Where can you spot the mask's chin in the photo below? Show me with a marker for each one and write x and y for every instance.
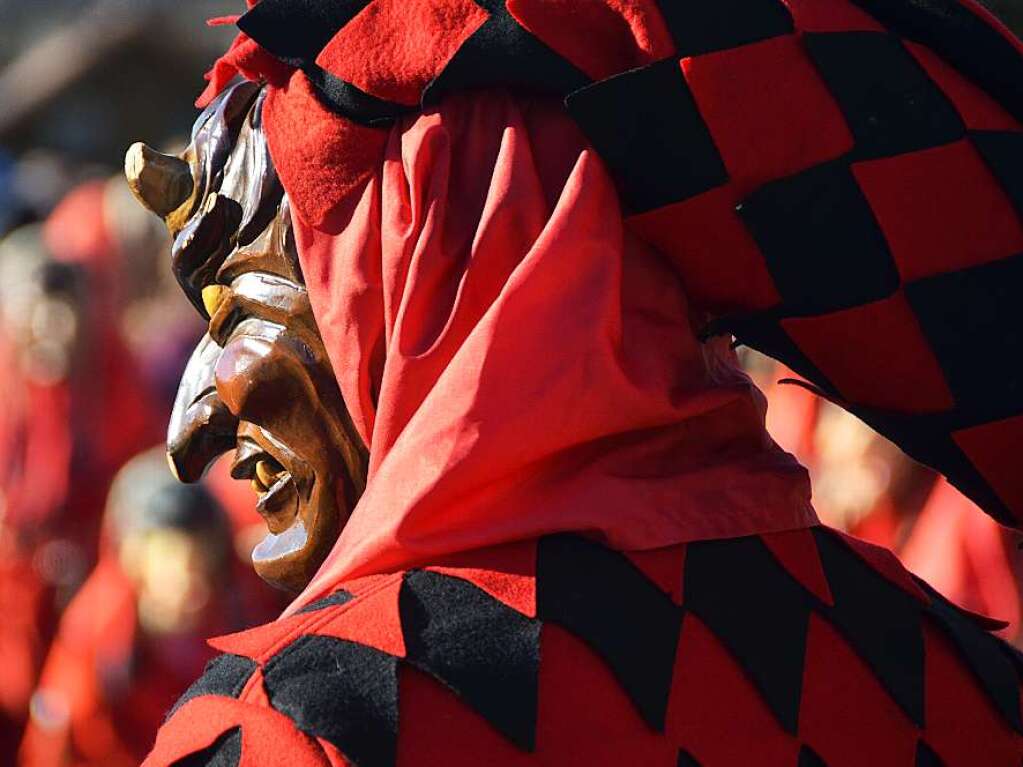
(289, 543)
(285, 559)
(288, 558)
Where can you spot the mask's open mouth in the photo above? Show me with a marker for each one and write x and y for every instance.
(278, 499)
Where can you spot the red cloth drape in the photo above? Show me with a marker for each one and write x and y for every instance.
(518, 362)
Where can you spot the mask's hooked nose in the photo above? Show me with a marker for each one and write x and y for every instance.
(201, 427)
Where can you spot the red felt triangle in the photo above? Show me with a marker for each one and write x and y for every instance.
(507, 573)
(254, 691)
(266, 734)
(372, 620)
(664, 567)
(845, 714)
(796, 551)
(262, 642)
(334, 757)
(715, 713)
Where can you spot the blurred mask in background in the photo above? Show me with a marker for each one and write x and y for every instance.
(173, 542)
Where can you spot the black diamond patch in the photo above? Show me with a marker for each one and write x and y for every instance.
(925, 757)
(1003, 153)
(889, 102)
(647, 128)
(808, 758)
(959, 35)
(486, 652)
(821, 241)
(973, 321)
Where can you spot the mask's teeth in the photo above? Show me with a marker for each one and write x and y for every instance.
(268, 472)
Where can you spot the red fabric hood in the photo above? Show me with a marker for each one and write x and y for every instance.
(519, 363)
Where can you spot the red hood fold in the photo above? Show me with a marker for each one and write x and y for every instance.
(519, 363)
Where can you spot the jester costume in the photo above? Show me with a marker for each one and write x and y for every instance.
(528, 231)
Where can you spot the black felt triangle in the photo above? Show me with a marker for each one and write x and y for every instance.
(1016, 657)
(984, 656)
(890, 103)
(296, 31)
(967, 316)
(685, 759)
(224, 675)
(1003, 153)
(502, 53)
(925, 757)
(483, 650)
(603, 599)
(881, 622)
(341, 691)
(757, 611)
(699, 28)
(821, 210)
(339, 597)
(808, 758)
(962, 38)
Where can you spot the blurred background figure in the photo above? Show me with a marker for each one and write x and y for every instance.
(134, 635)
(92, 344)
(865, 485)
(92, 338)
(77, 406)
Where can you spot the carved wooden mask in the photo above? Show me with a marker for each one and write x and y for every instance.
(259, 382)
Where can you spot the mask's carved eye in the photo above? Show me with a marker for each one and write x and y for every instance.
(212, 297)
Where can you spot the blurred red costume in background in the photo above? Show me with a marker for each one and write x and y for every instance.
(134, 635)
(577, 543)
(968, 557)
(62, 438)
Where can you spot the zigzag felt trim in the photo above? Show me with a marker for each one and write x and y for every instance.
(333, 680)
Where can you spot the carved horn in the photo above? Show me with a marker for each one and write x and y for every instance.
(161, 182)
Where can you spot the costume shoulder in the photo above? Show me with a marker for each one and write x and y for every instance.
(564, 652)
(211, 726)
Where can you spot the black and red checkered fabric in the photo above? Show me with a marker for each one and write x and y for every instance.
(783, 650)
(839, 182)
